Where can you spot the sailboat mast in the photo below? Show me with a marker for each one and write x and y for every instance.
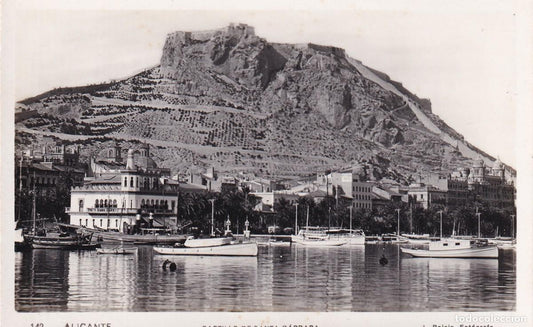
(307, 219)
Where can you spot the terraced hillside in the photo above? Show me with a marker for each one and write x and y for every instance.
(230, 99)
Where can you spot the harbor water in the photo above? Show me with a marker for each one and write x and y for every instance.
(281, 278)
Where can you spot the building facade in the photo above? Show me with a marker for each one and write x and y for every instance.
(490, 185)
(424, 196)
(137, 195)
(349, 185)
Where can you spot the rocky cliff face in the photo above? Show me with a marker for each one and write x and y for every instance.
(229, 98)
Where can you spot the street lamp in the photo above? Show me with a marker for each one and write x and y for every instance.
(398, 211)
(296, 220)
(478, 214)
(351, 208)
(440, 212)
(212, 216)
(246, 224)
(228, 224)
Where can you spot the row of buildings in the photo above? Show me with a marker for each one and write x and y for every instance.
(118, 192)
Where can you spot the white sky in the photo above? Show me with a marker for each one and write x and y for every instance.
(462, 59)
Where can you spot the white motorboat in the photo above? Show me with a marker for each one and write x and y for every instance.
(310, 234)
(453, 248)
(350, 236)
(240, 249)
(192, 242)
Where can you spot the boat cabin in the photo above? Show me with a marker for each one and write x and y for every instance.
(449, 244)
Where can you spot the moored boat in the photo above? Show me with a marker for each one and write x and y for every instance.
(310, 234)
(192, 242)
(146, 236)
(61, 241)
(350, 236)
(321, 243)
(21, 243)
(240, 249)
(453, 248)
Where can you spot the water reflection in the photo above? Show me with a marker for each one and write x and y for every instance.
(281, 279)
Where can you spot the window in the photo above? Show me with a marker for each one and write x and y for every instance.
(86, 222)
(94, 223)
(125, 181)
(445, 244)
(80, 222)
(116, 223)
(101, 222)
(457, 243)
(131, 181)
(80, 205)
(114, 203)
(108, 223)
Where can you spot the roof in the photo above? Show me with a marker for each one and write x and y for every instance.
(40, 166)
(192, 187)
(318, 193)
(106, 179)
(376, 196)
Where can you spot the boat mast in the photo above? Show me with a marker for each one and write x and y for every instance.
(307, 219)
(440, 212)
(296, 220)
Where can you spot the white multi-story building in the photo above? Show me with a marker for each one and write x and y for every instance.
(349, 185)
(124, 197)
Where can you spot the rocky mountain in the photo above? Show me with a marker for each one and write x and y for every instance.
(231, 99)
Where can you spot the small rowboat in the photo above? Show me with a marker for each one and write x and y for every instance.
(118, 250)
(241, 249)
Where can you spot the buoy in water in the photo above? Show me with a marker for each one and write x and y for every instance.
(172, 266)
(165, 263)
(383, 261)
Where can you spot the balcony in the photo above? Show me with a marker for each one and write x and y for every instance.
(105, 211)
(121, 211)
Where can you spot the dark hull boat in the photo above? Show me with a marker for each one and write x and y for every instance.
(62, 242)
